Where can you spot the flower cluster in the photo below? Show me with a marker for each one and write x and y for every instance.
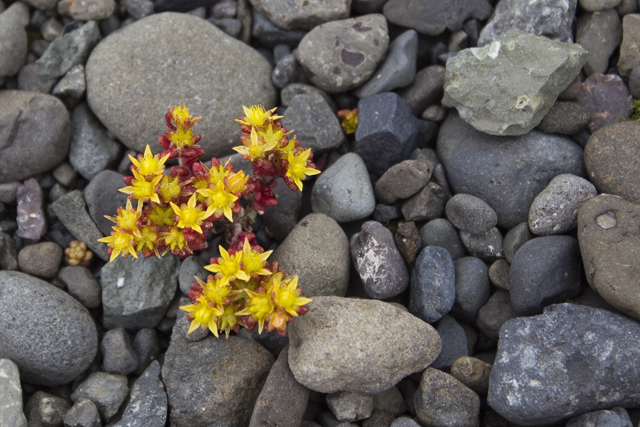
(349, 120)
(245, 290)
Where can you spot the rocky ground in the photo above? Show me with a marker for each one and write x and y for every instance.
(473, 250)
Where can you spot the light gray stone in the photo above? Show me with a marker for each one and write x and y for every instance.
(13, 38)
(600, 33)
(350, 406)
(86, 10)
(11, 395)
(73, 84)
(303, 16)
(107, 391)
(147, 405)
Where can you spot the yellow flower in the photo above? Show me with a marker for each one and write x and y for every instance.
(119, 241)
(228, 320)
(170, 188)
(162, 216)
(127, 218)
(215, 290)
(147, 240)
(220, 200)
(259, 306)
(256, 115)
(237, 182)
(203, 315)
(298, 167)
(180, 114)
(142, 189)
(271, 134)
(256, 147)
(287, 294)
(190, 215)
(228, 267)
(174, 239)
(149, 164)
(253, 262)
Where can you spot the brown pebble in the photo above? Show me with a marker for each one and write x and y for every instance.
(41, 259)
(499, 274)
(472, 372)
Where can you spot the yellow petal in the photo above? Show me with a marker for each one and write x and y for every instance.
(193, 327)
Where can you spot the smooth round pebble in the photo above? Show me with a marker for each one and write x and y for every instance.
(118, 356)
(433, 284)
(402, 181)
(472, 287)
(440, 232)
(471, 214)
(41, 259)
(515, 238)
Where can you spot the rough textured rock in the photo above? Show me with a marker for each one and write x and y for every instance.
(269, 35)
(495, 313)
(612, 161)
(86, 10)
(615, 417)
(81, 285)
(607, 98)
(427, 89)
(629, 51)
(349, 406)
(408, 241)
(73, 84)
(432, 17)
(83, 413)
(349, 353)
(107, 391)
(55, 349)
(471, 214)
(45, 409)
(565, 118)
(487, 246)
(560, 364)
(507, 172)
(472, 372)
(30, 217)
(599, 33)
(609, 243)
(551, 19)
(433, 286)
(341, 55)
(138, 71)
(147, 406)
(11, 413)
(13, 39)
(36, 143)
(103, 198)
(530, 72)
(118, 356)
(403, 180)
(303, 16)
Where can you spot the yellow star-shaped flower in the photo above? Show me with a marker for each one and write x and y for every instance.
(190, 215)
(298, 169)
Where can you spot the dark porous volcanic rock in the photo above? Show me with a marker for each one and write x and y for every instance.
(214, 381)
(607, 98)
(612, 157)
(471, 214)
(567, 361)
(486, 246)
(378, 262)
(387, 131)
(565, 118)
(433, 284)
(403, 180)
(34, 134)
(56, 345)
(506, 172)
(610, 246)
(338, 345)
(545, 270)
(138, 71)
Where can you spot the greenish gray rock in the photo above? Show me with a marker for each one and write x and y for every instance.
(338, 345)
(136, 74)
(306, 15)
(506, 87)
(10, 395)
(137, 292)
(47, 333)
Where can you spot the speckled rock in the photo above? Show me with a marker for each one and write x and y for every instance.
(433, 287)
(565, 118)
(403, 180)
(86, 10)
(223, 75)
(32, 224)
(103, 198)
(148, 404)
(57, 348)
(349, 353)
(46, 409)
(107, 391)
(341, 55)
(471, 214)
(317, 250)
(614, 417)
(607, 98)
(11, 413)
(73, 85)
(81, 285)
(294, 89)
(487, 246)
(83, 413)
(408, 241)
(303, 16)
(495, 313)
(629, 53)
(13, 38)
(41, 260)
(429, 203)
(472, 372)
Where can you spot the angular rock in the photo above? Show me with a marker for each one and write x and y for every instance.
(433, 286)
(629, 51)
(551, 19)
(87, 10)
(189, 268)
(103, 198)
(73, 84)
(38, 141)
(607, 98)
(147, 406)
(344, 192)
(559, 364)
(600, 33)
(507, 172)
(565, 118)
(495, 313)
(137, 292)
(403, 180)
(68, 50)
(45, 409)
(341, 55)
(349, 406)
(428, 204)
(147, 347)
(303, 16)
(29, 81)
(349, 353)
(471, 214)
(378, 262)
(83, 413)
(285, 71)
(609, 242)
(8, 253)
(408, 242)
(81, 285)
(118, 356)
(472, 372)
(41, 260)
(224, 74)
(387, 131)
(269, 35)
(13, 39)
(517, 98)
(11, 413)
(515, 238)
(30, 212)
(454, 342)
(555, 209)
(472, 288)
(427, 89)
(107, 391)
(53, 350)
(440, 232)
(487, 246)
(283, 217)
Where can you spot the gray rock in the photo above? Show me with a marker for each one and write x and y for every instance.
(495, 313)
(8, 253)
(431, 17)
(634, 82)
(55, 349)
(73, 84)
(190, 267)
(607, 98)
(103, 198)
(611, 159)
(41, 260)
(433, 284)
(428, 204)
(72, 212)
(341, 55)
(285, 71)
(68, 50)
(30, 212)
(315, 124)
(472, 372)
(225, 376)
(51, 29)
(471, 214)
(487, 246)
(225, 9)
(281, 218)
(626, 7)
(137, 292)
(515, 238)
(344, 192)
(181, 5)
(378, 262)
(299, 16)
(598, 5)
(107, 391)
(403, 180)
(454, 342)
(499, 105)
(292, 90)
(81, 285)
(398, 68)
(147, 405)
(45, 409)
(555, 209)
(224, 75)
(440, 232)
(551, 19)
(384, 213)
(348, 353)
(269, 35)
(615, 417)
(349, 406)
(11, 395)
(600, 33)
(87, 10)
(427, 89)
(35, 143)
(9, 192)
(29, 81)
(118, 356)
(13, 39)
(138, 9)
(565, 118)
(65, 174)
(609, 242)
(562, 361)
(317, 250)
(442, 400)
(230, 26)
(42, 4)
(390, 401)
(506, 175)
(629, 55)
(147, 347)
(499, 274)
(83, 413)
(472, 288)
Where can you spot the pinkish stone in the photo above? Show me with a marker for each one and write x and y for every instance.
(607, 98)
(30, 219)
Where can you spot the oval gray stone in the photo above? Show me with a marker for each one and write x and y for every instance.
(403, 180)
(303, 15)
(433, 284)
(51, 337)
(471, 214)
(13, 39)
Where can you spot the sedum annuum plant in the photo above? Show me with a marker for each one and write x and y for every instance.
(177, 208)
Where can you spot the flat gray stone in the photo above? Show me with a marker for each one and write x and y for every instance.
(303, 16)
(600, 33)
(147, 405)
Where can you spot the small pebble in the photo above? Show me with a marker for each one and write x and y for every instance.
(41, 259)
